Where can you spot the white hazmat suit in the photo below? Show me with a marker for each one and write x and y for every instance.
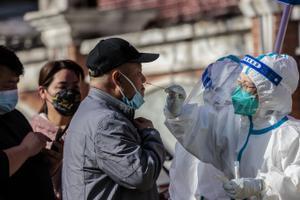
(265, 144)
(190, 178)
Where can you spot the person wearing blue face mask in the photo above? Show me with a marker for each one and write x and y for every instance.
(137, 100)
(108, 154)
(24, 173)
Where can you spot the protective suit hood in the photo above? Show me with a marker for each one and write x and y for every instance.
(217, 83)
(274, 100)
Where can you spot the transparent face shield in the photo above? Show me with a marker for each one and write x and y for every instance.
(216, 84)
(196, 94)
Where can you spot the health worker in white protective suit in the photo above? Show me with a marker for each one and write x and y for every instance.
(260, 135)
(190, 178)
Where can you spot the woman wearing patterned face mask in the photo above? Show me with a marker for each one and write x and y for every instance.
(59, 88)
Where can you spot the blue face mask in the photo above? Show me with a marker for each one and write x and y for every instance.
(137, 100)
(8, 100)
(244, 103)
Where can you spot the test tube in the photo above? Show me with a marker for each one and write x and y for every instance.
(236, 169)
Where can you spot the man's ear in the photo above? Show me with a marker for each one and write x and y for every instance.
(116, 78)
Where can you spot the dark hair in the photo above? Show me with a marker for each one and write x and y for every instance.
(51, 68)
(10, 60)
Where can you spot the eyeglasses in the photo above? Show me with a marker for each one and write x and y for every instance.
(247, 86)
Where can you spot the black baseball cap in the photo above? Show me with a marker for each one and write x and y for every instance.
(113, 52)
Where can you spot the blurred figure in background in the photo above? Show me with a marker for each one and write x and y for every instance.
(59, 88)
(23, 171)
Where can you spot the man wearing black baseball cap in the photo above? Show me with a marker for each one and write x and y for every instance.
(109, 154)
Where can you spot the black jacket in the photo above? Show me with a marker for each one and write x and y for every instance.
(32, 180)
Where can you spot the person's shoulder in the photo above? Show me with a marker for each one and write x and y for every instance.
(98, 116)
(293, 122)
(110, 115)
(16, 114)
(292, 128)
(16, 120)
(288, 136)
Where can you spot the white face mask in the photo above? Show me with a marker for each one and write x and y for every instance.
(8, 100)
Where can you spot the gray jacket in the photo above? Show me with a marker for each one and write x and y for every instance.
(106, 157)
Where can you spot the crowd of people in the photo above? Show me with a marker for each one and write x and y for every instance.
(235, 138)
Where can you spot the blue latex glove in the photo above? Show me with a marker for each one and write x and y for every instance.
(243, 187)
(175, 98)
